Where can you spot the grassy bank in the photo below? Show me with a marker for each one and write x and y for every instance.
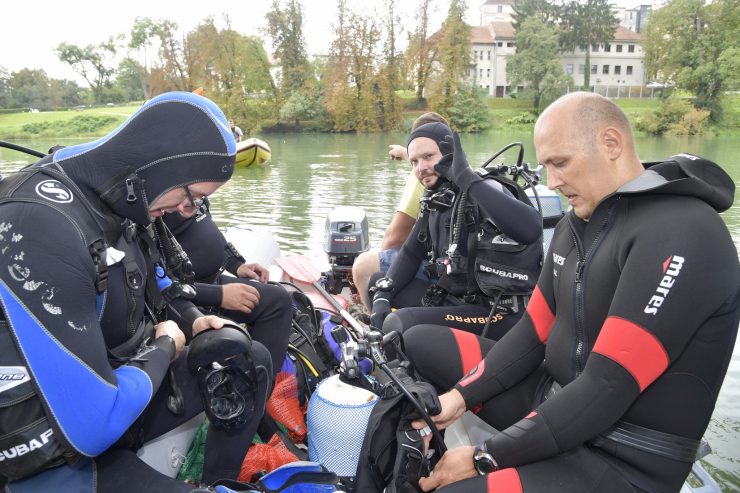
(94, 122)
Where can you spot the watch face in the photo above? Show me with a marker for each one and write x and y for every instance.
(484, 462)
(384, 283)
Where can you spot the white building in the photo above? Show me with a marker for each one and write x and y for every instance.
(614, 66)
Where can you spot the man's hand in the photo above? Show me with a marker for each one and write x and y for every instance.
(454, 166)
(398, 153)
(455, 465)
(452, 405)
(239, 296)
(208, 322)
(170, 328)
(253, 271)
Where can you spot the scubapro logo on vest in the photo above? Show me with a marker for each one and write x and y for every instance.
(54, 191)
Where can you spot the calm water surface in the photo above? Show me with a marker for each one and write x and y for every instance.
(311, 174)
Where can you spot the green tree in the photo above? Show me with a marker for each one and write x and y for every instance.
(470, 112)
(584, 24)
(285, 28)
(547, 11)
(29, 89)
(421, 51)
(128, 81)
(537, 61)
(4, 87)
(90, 62)
(389, 78)
(144, 33)
(696, 47)
(454, 56)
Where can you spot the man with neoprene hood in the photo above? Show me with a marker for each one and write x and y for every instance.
(93, 323)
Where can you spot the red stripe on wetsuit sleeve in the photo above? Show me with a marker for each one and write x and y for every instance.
(469, 348)
(504, 481)
(634, 348)
(541, 315)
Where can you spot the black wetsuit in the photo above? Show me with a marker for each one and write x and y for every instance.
(270, 321)
(629, 333)
(65, 322)
(515, 219)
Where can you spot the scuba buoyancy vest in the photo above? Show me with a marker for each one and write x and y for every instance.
(392, 455)
(492, 265)
(30, 440)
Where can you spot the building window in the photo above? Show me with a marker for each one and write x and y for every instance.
(480, 55)
(569, 68)
(468, 73)
(510, 44)
(607, 47)
(594, 69)
(489, 54)
(475, 54)
(480, 73)
(519, 88)
(631, 48)
(617, 69)
(629, 69)
(619, 48)
(499, 44)
(488, 73)
(605, 69)
(595, 48)
(500, 8)
(581, 69)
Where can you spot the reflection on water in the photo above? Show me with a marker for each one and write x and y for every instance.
(311, 174)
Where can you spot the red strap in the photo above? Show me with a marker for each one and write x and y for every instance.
(541, 315)
(634, 348)
(469, 348)
(505, 481)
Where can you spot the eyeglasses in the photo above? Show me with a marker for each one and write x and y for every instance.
(194, 203)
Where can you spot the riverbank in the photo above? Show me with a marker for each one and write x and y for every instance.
(505, 114)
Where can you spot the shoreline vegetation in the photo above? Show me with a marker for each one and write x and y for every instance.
(504, 113)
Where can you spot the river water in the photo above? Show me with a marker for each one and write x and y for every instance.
(311, 174)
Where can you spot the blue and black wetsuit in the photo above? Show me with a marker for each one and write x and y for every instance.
(514, 219)
(609, 380)
(270, 321)
(70, 305)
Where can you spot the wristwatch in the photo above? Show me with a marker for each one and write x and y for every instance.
(483, 461)
(384, 284)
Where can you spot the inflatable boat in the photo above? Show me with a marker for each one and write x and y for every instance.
(252, 151)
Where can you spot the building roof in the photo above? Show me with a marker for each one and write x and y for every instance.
(624, 34)
(498, 2)
(505, 30)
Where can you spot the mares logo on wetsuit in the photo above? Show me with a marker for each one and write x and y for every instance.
(671, 268)
(55, 191)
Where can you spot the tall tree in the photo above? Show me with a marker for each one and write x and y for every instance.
(285, 28)
(422, 50)
(454, 56)
(546, 10)
(389, 78)
(696, 47)
(90, 62)
(537, 60)
(584, 24)
(144, 33)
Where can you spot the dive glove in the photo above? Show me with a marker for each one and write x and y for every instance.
(454, 166)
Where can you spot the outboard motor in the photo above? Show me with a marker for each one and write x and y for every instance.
(346, 236)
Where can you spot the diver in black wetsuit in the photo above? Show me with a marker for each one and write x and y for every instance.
(86, 339)
(244, 296)
(507, 231)
(609, 380)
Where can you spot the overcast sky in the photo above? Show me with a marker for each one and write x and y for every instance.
(31, 30)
